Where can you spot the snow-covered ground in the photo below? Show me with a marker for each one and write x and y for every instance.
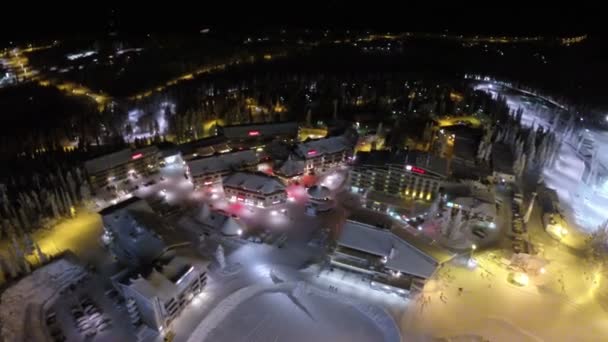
(584, 206)
(290, 311)
(23, 303)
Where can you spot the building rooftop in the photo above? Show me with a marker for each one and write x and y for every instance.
(133, 202)
(315, 148)
(217, 221)
(115, 159)
(256, 130)
(401, 256)
(222, 162)
(291, 167)
(205, 146)
(254, 182)
(161, 280)
(423, 160)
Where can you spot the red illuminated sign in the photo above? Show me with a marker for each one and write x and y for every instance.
(137, 156)
(311, 152)
(240, 198)
(418, 170)
(254, 133)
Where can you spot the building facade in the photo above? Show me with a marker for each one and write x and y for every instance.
(209, 171)
(115, 169)
(161, 292)
(403, 174)
(251, 135)
(323, 154)
(390, 263)
(255, 189)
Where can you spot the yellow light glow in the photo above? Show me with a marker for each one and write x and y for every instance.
(521, 278)
(428, 196)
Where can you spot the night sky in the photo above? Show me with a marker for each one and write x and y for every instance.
(30, 21)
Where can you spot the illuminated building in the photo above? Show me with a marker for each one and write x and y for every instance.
(404, 174)
(322, 154)
(255, 189)
(116, 168)
(210, 170)
(250, 135)
(393, 264)
(204, 147)
(161, 292)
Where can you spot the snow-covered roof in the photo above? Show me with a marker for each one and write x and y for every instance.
(222, 162)
(115, 159)
(315, 148)
(291, 167)
(401, 256)
(133, 203)
(216, 143)
(218, 221)
(163, 281)
(254, 182)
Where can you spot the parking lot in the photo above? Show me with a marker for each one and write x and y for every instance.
(88, 311)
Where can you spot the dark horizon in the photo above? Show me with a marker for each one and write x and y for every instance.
(61, 21)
